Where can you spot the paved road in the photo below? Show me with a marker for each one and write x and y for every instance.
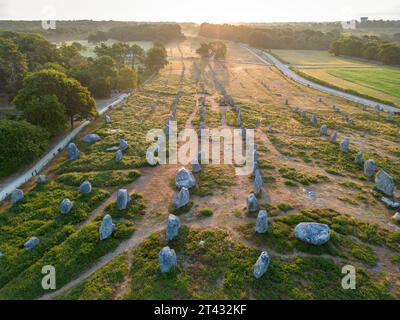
(267, 58)
(13, 182)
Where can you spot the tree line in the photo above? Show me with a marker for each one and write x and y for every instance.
(367, 47)
(52, 86)
(271, 37)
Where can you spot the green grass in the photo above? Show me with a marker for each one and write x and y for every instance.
(206, 212)
(213, 178)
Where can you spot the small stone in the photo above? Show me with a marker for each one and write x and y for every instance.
(258, 182)
(384, 182)
(73, 152)
(252, 205)
(123, 199)
(369, 168)
(344, 146)
(107, 119)
(261, 266)
(123, 145)
(167, 259)
(107, 227)
(270, 129)
(310, 194)
(85, 188)
(313, 118)
(90, 138)
(396, 216)
(1, 254)
(184, 178)
(66, 206)
(262, 222)
(31, 243)
(359, 158)
(40, 179)
(196, 167)
(118, 156)
(312, 233)
(333, 137)
(182, 199)
(173, 225)
(392, 204)
(202, 243)
(16, 195)
(324, 130)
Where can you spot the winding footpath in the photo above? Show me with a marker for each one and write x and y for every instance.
(10, 184)
(268, 58)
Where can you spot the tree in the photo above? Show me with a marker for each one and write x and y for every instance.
(127, 79)
(156, 59)
(137, 52)
(103, 67)
(21, 143)
(218, 48)
(75, 98)
(101, 87)
(204, 50)
(389, 53)
(47, 112)
(370, 51)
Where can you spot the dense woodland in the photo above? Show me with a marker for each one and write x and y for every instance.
(52, 86)
(270, 38)
(367, 47)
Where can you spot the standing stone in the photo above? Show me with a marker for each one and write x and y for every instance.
(252, 205)
(286, 102)
(73, 151)
(313, 118)
(107, 119)
(378, 108)
(66, 206)
(344, 146)
(324, 130)
(182, 199)
(258, 182)
(396, 216)
(16, 195)
(320, 99)
(261, 266)
(167, 259)
(196, 167)
(118, 156)
(365, 108)
(107, 227)
(333, 137)
(390, 115)
(91, 138)
(185, 179)
(312, 233)
(85, 188)
(173, 225)
(369, 168)
(31, 243)
(359, 158)
(270, 129)
(123, 199)
(384, 183)
(40, 179)
(262, 222)
(123, 145)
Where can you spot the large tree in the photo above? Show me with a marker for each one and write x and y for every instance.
(76, 99)
(156, 59)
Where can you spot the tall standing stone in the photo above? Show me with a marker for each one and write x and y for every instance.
(107, 119)
(107, 227)
(184, 178)
(384, 182)
(359, 158)
(270, 129)
(369, 168)
(167, 259)
(258, 182)
(173, 225)
(123, 199)
(73, 152)
(118, 156)
(66, 206)
(16, 195)
(85, 188)
(262, 222)
(252, 205)
(182, 199)
(261, 266)
(333, 137)
(344, 146)
(313, 118)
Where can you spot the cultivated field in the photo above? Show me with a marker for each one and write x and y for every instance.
(294, 160)
(373, 80)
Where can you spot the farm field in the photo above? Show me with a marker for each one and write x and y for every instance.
(373, 80)
(217, 246)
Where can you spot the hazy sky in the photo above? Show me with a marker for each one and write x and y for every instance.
(200, 10)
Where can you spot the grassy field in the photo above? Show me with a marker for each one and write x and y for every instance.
(369, 79)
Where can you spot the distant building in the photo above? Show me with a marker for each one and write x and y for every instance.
(364, 19)
(349, 25)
